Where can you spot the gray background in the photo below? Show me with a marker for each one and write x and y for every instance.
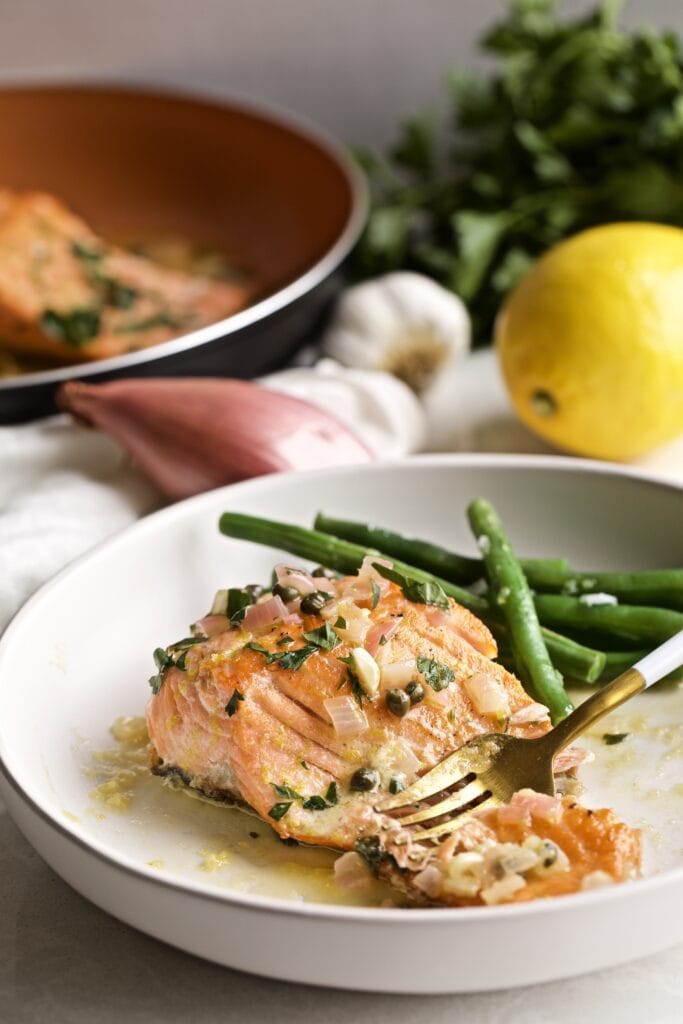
(354, 66)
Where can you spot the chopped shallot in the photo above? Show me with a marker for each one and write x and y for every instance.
(386, 629)
(347, 717)
(488, 695)
(430, 880)
(211, 625)
(260, 617)
(530, 713)
(539, 805)
(296, 578)
(398, 673)
(572, 757)
(351, 871)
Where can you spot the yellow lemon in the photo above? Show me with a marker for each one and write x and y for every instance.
(591, 341)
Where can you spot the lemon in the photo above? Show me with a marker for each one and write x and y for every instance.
(591, 341)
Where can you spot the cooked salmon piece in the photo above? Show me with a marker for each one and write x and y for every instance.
(67, 295)
(303, 711)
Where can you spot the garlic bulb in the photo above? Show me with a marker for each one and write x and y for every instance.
(403, 323)
(376, 406)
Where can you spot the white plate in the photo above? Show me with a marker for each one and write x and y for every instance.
(79, 655)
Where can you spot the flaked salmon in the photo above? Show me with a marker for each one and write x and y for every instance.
(306, 703)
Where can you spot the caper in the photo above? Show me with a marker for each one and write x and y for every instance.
(364, 780)
(311, 604)
(415, 691)
(328, 574)
(286, 593)
(398, 702)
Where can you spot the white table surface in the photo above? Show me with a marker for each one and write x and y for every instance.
(63, 960)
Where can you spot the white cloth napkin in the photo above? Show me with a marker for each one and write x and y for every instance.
(64, 487)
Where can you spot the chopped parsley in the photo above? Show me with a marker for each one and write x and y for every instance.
(418, 591)
(292, 660)
(285, 640)
(375, 593)
(156, 320)
(119, 295)
(238, 600)
(162, 661)
(251, 645)
(340, 623)
(325, 637)
(309, 803)
(231, 706)
(180, 649)
(304, 765)
(382, 640)
(435, 673)
(354, 683)
(77, 327)
(279, 810)
(396, 785)
(287, 792)
(114, 293)
(315, 803)
(610, 738)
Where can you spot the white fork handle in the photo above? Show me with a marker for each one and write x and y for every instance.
(662, 660)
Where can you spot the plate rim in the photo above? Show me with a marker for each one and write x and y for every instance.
(639, 887)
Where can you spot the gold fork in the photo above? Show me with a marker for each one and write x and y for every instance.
(489, 769)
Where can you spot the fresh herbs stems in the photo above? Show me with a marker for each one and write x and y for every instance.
(579, 123)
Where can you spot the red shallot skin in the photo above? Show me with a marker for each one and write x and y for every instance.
(193, 434)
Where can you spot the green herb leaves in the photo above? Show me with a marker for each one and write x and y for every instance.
(611, 738)
(279, 810)
(162, 661)
(323, 638)
(309, 803)
(76, 327)
(434, 672)
(580, 123)
(419, 592)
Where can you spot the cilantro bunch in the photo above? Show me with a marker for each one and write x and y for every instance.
(580, 123)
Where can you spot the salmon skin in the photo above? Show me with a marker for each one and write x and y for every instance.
(303, 710)
(68, 296)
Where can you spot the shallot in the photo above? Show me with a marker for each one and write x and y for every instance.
(192, 434)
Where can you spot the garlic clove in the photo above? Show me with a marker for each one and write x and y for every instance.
(402, 323)
(394, 422)
(191, 435)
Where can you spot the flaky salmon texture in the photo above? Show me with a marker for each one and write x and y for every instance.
(308, 704)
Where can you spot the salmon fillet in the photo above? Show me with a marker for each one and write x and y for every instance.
(280, 714)
(67, 295)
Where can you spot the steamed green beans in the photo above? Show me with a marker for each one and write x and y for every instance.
(509, 590)
(571, 658)
(542, 573)
(658, 587)
(632, 622)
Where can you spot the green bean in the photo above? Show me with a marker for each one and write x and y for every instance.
(510, 591)
(543, 573)
(632, 622)
(570, 657)
(342, 555)
(662, 588)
